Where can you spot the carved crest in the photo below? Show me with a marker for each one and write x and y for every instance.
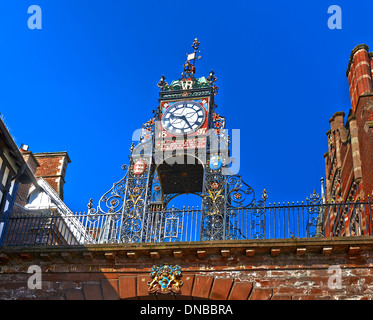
(166, 279)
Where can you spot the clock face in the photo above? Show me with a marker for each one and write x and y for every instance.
(183, 117)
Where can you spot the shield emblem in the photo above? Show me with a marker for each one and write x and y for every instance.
(216, 162)
(139, 167)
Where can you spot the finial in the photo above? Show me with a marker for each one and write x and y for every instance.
(264, 195)
(90, 205)
(212, 79)
(132, 147)
(162, 83)
(196, 44)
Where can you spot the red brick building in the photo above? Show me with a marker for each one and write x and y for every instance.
(349, 160)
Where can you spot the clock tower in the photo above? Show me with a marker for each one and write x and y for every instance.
(183, 149)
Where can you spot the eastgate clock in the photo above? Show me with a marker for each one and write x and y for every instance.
(183, 117)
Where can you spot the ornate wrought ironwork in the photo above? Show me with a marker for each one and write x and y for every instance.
(165, 279)
(222, 194)
(315, 215)
(173, 225)
(213, 205)
(211, 80)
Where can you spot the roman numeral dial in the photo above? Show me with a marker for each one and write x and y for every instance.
(183, 117)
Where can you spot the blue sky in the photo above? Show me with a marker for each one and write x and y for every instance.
(88, 79)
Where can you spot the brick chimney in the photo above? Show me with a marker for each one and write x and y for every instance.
(29, 158)
(359, 74)
(53, 169)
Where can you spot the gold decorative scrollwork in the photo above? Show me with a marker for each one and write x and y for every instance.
(134, 199)
(214, 196)
(166, 279)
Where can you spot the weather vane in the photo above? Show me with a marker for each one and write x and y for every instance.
(195, 46)
(189, 67)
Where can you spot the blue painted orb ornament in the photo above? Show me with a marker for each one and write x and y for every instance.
(216, 162)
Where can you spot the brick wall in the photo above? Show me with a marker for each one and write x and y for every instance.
(350, 143)
(364, 118)
(234, 270)
(359, 74)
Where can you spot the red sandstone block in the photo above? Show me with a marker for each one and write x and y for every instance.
(310, 297)
(201, 254)
(202, 286)
(13, 285)
(74, 277)
(240, 291)
(288, 290)
(261, 294)
(353, 250)
(178, 254)
(269, 283)
(92, 292)
(186, 288)
(110, 275)
(326, 251)
(74, 294)
(220, 289)
(301, 251)
(25, 256)
(275, 252)
(4, 258)
(142, 288)
(55, 298)
(169, 296)
(127, 287)
(110, 290)
(281, 297)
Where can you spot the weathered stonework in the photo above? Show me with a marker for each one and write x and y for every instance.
(256, 270)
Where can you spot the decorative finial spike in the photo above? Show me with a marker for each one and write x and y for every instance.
(196, 44)
(162, 83)
(132, 147)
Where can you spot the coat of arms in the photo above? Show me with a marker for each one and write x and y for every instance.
(166, 279)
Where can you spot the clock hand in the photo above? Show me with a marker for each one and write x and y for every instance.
(183, 117)
(186, 121)
(175, 117)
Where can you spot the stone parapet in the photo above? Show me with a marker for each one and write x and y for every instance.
(238, 270)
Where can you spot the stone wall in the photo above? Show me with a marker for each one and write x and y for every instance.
(233, 270)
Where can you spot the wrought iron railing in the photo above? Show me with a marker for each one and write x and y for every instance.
(286, 221)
